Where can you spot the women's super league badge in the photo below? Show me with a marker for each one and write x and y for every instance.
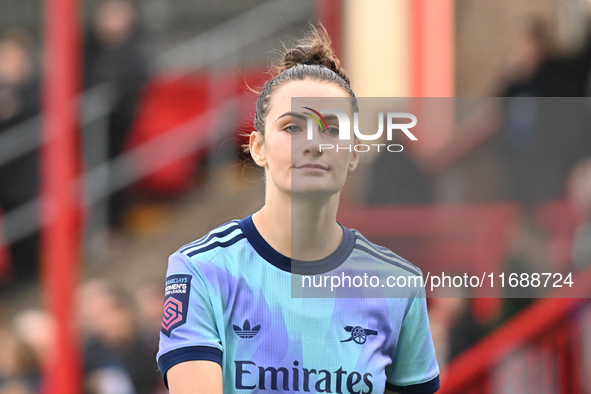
(176, 302)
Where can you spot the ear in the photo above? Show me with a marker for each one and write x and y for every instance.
(257, 152)
(354, 159)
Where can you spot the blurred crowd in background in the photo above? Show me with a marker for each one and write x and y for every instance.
(523, 162)
(119, 330)
(114, 53)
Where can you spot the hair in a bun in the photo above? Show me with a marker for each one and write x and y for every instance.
(314, 49)
(311, 58)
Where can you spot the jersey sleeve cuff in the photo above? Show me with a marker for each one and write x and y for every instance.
(189, 353)
(429, 387)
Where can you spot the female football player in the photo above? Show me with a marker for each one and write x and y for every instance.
(230, 322)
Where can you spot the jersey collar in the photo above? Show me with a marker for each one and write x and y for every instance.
(287, 264)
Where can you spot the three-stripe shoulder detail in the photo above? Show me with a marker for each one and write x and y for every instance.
(223, 236)
(383, 254)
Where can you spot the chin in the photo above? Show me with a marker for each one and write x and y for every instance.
(314, 191)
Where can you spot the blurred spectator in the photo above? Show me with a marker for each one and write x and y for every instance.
(528, 253)
(536, 169)
(542, 138)
(36, 329)
(114, 354)
(534, 68)
(14, 387)
(527, 61)
(582, 67)
(579, 193)
(19, 101)
(149, 300)
(19, 371)
(115, 54)
(529, 71)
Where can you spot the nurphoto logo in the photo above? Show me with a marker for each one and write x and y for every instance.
(344, 128)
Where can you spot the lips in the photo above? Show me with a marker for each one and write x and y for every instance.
(313, 166)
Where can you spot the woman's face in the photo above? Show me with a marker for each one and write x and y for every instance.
(293, 163)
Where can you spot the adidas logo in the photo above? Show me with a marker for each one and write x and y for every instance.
(246, 332)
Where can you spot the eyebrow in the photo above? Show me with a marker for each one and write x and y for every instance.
(300, 116)
(294, 114)
(330, 118)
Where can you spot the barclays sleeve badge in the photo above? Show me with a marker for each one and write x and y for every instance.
(176, 302)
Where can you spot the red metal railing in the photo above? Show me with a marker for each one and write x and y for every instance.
(544, 349)
(60, 160)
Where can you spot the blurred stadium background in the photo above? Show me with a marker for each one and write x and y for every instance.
(122, 120)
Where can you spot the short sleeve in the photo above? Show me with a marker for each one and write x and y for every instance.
(188, 330)
(414, 369)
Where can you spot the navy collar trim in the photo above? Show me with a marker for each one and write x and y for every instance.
(287, 264)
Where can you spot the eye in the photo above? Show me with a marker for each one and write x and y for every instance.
(292, 128)
(333, 130)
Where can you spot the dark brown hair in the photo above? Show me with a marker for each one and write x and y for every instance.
(311, 58)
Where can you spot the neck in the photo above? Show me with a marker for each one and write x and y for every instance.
(300, 227)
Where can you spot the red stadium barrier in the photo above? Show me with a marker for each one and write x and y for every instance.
(170, 101)
(544, 349)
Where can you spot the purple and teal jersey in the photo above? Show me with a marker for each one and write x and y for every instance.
(229, 300)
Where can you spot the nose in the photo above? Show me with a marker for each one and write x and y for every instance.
(312, 146)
